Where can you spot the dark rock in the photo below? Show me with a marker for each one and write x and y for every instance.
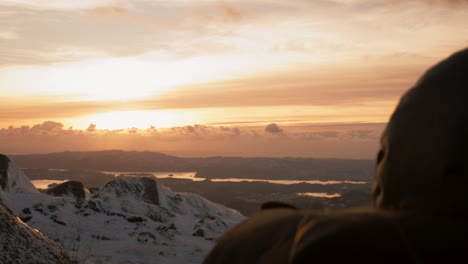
(199, 233)
(145, 237)
(25, 218)
(52, 185)
(19, 243)
(93, 190)
(38, 208)
(93, 206)
(52, 207)
(54, 218)
(73, 188)
(135, 219)
(25, 215)
(100, 237)
(115, 214)
(144, 186)
(4, 164)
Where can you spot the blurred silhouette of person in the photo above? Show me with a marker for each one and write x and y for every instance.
(420, 193)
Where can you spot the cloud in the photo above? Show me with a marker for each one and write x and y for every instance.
(230, 13)
(309, 30)
(273, 129)
(222, 13)
(52, 128)
(342, 135)
(91, 128)
(108, 11)
(450, 3)
(322, 134)
(430, 2)
(8, 35)
(48, 127)
(339, 140)
(365, 134)
(111, 29)
(55, 4)
(374, 87)
(203, 131)
(115, 11)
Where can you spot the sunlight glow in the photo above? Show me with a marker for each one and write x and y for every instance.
(57, 4)
(138, 119)
(125, 78)
(232, 115)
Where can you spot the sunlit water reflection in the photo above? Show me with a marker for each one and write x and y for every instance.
(191, 176)
(322, 195)
(44, 184)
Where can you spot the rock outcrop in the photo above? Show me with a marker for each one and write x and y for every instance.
(4, 164)
(69, 188)
(141, 188)
(22, 244)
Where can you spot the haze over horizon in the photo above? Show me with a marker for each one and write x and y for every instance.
(203, 78)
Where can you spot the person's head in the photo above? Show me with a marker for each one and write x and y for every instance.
(423, 161)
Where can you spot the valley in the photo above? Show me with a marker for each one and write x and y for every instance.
(339, 183)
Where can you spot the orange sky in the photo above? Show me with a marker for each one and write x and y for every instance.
(324, 71)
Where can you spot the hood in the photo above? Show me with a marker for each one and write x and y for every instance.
(423, 161)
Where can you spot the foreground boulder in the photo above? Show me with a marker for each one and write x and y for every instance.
(22, 244)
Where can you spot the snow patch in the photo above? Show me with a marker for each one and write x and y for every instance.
(131, 220)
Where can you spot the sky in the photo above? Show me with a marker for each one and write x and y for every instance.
(201, 78)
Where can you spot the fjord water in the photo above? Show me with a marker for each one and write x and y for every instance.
(191, 176)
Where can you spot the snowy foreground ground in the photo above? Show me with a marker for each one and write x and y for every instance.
(132, 220)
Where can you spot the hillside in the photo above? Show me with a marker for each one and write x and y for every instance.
(129, 220)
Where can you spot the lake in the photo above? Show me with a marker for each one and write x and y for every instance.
(322, 195)
(43, 184)
(191, 176)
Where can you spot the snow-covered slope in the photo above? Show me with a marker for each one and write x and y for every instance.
(131, 220)
(19, 243)
(13, 180)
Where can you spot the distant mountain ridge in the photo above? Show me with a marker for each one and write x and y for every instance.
(210, 167)
(113, 160)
